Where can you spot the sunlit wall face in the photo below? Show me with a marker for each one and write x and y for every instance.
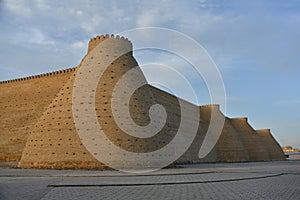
(253, 43)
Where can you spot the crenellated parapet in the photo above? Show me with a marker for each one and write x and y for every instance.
(210, 106)
(243, 119)
(265, 131)
(122, 41)
(208, 109)
(38, 120)
(211, 112)
(59, 72)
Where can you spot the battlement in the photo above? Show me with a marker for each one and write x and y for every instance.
(210, 106)
(263, 131)
(245, 119)
(98, 39)
(39, 76)
(38, 122)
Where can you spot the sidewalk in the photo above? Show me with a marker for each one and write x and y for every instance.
(262, 180)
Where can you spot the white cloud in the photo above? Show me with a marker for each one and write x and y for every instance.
(148, 19)
(78, 45)
(38, 37)
(42, 4)
(150, 14)
(227, 36)
(79, 12)
(32, 36)
(18, 8)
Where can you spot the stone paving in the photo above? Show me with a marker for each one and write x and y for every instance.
(262, 180)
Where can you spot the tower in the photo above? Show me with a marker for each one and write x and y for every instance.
(54, 142)
(59, 138)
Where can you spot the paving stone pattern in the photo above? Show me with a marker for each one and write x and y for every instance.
(259, 180)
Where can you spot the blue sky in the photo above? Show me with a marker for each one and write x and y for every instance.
(255, 45)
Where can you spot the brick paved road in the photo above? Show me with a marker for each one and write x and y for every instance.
(265, 180)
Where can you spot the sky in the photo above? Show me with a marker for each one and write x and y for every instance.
(255, 45)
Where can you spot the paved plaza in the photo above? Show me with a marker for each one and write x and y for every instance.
(261, 180)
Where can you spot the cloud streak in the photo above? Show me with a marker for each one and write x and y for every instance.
(255, 44)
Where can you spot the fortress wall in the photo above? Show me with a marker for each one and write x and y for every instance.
(56, 133)
(49, 74)
(61, 146)
(191, 155)
(171, 104)
(205, 119)
(139, 106)
(229, 147)
(272, 146)
(206, 111)
(22, 102)
(252, 142)
(52, 140)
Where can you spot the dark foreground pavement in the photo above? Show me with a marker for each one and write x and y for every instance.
(263, 180)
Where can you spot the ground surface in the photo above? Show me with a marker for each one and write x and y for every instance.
(264, 180)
